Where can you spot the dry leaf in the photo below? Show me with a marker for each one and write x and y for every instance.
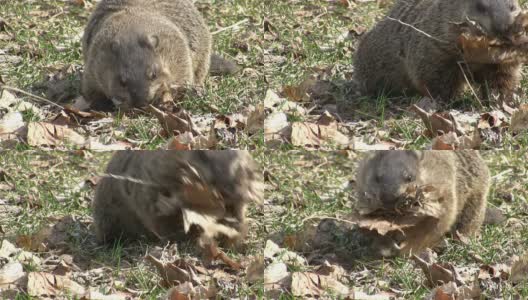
(216, 253)
(477, 47)
(310, 284)
(384, 226)
(11, 122)
(437, 122)
(451, 141)
(275, 273)
(187, 291)
(173, 273)
(178, 122)
(42, 284)
(325, 131)
(47, 134)
(274, 124)
(187, 141)
(436, 274)
(10, 274)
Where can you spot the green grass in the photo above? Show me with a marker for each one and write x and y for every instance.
(46, 38)
(47, 187)
(307, 184)
(310, 38)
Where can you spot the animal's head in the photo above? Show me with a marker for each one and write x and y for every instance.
(385, 177)
(138, 70)
(495, 16)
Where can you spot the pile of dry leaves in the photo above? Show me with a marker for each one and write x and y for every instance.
(69, 127)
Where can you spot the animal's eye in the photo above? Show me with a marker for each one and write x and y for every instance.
(408, 177)
(481, 8)
(153, 75)
(512, 7)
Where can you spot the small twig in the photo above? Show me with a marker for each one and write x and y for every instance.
(501, 174)
(470, 86)
(14, 89)
(327, 217)
(230, 27)
(419, 30)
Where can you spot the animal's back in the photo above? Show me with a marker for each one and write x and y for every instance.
(181, 12)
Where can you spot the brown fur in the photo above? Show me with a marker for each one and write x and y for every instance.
(461, 182)
(134, 49)
(397, 59)
(146, 200)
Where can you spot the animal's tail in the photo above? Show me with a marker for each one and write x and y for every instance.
(222, 66)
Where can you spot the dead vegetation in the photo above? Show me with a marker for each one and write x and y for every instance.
(313, 104)
(41, 105)
(48, 247)
(313, 249)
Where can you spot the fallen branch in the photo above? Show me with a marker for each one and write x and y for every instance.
(14, 89)
(230, 27)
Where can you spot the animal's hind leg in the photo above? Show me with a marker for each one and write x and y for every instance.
(201, 67)
(472, 214)
(443, 83)
(499, 80)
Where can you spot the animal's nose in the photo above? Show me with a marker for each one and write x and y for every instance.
(503, 24)
(138, 98)
(389, 196)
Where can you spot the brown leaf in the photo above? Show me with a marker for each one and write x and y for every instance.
(187, 291)
(325, 131)
(173, 273)
(384, 226)
(51, 236)
(42, 284)
(47, 134)
(478, 47)
(436, 274)
(216, 253)
(437, 123)
(451, 141)
(187, 141)
(491, 119)
(179, 122)
(441, 295)
(306, 284)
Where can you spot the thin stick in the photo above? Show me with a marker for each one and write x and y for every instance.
(14, 89)
(230, 27)
(326, 217)
(418, 30)
(470, 86)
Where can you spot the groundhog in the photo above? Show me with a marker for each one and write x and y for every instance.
(143, 194)
(460, 180)
(135, 49)
(414, 50)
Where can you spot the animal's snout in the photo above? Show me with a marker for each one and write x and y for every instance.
(390, 195)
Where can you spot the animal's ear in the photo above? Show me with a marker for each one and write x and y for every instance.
(151, 41)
